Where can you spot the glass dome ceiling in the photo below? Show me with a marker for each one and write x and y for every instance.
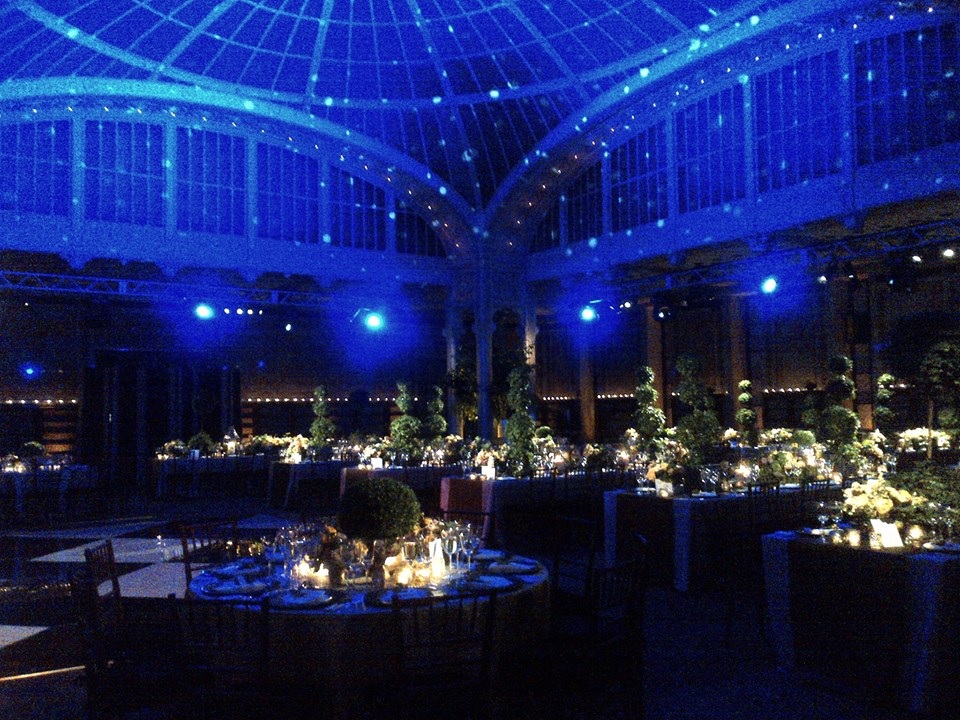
(465, 88)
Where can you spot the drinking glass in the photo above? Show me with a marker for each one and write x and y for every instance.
(449, 543)
(469, 541)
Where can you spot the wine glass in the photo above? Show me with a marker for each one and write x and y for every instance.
(823, 517)
(469, 542)
(449, 543)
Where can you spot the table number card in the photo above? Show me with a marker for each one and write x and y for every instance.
(888, 533)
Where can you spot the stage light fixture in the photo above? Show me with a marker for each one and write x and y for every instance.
(203, 311)
(588, 313)
(373, 321)
(30, 371)
(769, 284)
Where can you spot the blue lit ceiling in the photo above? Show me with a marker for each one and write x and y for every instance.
(464, 88)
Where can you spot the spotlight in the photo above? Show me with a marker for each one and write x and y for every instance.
(203, 311)
(30, 371)
(588, 314)
(373, 321)
(949, 253)
(769, 285)
(664, 312)
(288, 327)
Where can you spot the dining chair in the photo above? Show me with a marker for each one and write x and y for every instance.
(101, 564)
(122, 677)
(598, 622)
(763, 507)
(738, 561)
(444, 647)
(223, 659)
(205, 543)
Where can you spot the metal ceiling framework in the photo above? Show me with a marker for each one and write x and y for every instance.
(822, 257)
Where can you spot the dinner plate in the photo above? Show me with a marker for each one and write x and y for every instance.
(512, 567)
(240, 567)
(385, 598)
(946, 547)
(487, 555)
(305, 598)
(493, 582)
(237, 586)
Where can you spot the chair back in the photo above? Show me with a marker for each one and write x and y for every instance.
(223, 645)
(445, 648)
(205, 543)
(101, 566)
(763, 506)
(576, 544)
(616, 596)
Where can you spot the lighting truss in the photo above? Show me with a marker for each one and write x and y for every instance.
(819, 256)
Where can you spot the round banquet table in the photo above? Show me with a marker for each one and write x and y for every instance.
(343, 648)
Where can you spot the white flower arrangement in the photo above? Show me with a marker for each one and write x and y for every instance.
(876, 498)
(917, 439)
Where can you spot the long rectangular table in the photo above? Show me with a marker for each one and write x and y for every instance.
(682, 532)
(886, 623)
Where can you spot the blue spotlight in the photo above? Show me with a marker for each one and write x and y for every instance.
(30, 371)
(373, 321)
(769, 284)
(588, 314)
(203, 311)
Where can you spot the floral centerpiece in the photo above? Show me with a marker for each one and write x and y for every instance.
(919, 439)
(297, 447)
(669, 471)
(876, 498)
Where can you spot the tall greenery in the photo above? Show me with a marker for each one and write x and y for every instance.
(883, 414)
(746, 416)
(405, 430)
(648, 419)
(521, 426)
(939, 382)
(700, 429)
(836, 425)
(322, 429)
(462, 380)
(434, 423)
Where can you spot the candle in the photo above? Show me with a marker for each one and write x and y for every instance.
(853, 538)
(404, 575)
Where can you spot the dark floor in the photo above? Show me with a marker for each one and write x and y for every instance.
(694, 668)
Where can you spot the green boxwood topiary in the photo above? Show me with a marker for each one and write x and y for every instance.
(378, 507)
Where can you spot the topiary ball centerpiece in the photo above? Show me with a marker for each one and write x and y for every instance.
(378, 508)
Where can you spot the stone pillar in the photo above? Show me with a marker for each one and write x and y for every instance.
(588, 391)
(452, 334)
(483, 330)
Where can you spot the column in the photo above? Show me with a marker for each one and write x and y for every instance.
(588, 390)
(483, 331)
